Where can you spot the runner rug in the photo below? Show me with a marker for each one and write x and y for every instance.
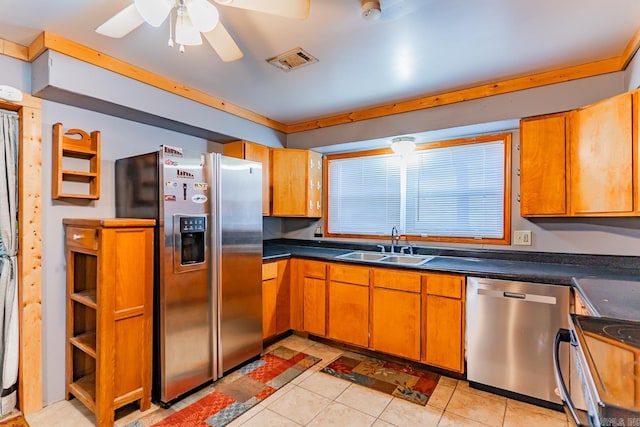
(398, 380)
(235, 394)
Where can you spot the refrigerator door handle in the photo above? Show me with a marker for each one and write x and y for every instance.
(215, 262)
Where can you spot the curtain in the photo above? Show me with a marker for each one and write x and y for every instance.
(9, 129)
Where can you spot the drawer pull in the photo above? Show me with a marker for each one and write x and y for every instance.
(76, 236)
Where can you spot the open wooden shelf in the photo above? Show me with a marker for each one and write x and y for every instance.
(109, 313)
(87, 298)
(75, 144)
(86, 342)
(84, 389)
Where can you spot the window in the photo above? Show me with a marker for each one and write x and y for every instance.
(448, 191)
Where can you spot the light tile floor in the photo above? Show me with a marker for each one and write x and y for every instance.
(316, 399)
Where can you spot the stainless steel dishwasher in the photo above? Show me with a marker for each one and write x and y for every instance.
(511, 328)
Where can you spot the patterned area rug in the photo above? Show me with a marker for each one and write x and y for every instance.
(395, 379)
(234, 394)
(14, 421)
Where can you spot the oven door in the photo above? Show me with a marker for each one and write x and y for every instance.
(577, 416)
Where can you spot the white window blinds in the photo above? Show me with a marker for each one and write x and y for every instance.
(364, 195)
(454, 191)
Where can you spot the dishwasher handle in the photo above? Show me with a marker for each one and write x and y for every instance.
(564, 335)
(514, 295)
(529, 297)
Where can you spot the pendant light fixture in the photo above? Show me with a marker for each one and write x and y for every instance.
(403, 145)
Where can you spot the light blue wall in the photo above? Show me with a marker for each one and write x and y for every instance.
(119, 138)
(60, 78)
(15, 73)
(615, 236)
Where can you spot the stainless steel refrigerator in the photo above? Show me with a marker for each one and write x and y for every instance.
(208, 261)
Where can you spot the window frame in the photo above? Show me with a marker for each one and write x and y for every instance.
(506, 138)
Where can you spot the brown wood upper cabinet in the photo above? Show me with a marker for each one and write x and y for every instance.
(602, 158)
(297, 183)
(583, 162)
(543, 165)
(257, 153)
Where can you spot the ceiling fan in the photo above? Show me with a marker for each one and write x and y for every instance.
(196, 17)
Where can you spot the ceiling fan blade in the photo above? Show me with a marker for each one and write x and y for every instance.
(221, 41)
(203, 14)
(298, 9)
(122, 23)
(154, 12)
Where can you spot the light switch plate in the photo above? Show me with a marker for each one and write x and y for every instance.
(522, 237)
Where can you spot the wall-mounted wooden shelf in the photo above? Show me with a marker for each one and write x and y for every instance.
(75, 144)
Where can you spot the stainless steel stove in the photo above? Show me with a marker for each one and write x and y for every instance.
(607, 355)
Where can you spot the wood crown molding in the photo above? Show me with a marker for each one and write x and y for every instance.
(13, 50)
(51, 41)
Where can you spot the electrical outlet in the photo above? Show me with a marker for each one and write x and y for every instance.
(522, 237)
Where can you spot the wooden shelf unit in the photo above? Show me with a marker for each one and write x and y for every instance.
(109, 313)
(84, 147)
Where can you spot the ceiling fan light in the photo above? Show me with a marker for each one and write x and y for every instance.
(186, 33)
(403, 145)
(203, 14)
(154, 12)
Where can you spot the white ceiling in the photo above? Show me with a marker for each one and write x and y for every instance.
(440, 45)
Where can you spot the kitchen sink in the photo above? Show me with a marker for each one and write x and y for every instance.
(378, 257)
(406, 259)
(362, 256)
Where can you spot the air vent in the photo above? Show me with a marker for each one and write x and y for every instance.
(292, 59)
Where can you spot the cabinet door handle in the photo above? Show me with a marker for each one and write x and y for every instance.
(76, 237)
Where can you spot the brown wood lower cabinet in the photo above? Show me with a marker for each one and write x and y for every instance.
(269, 296)
(400, 312)
(443, 303)
(396, 323)
(396, 318)
(308, 296)
(275, 298)
(349, 304)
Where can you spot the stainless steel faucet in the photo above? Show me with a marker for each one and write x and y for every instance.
(395, 238)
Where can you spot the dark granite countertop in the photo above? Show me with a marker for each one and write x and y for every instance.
(611, 298)
(610, 284)
(511, 265)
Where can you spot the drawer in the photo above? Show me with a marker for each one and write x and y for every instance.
(269, 271)
(398, 280)
(444, 285)
(78, 237)
(314, 269)
(348, 274)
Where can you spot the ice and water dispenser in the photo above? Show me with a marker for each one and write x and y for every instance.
(190, 242)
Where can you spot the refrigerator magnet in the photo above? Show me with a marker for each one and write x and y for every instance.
(199, 198)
